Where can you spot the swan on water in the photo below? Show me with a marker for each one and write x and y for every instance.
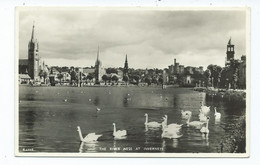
(98, 109)
(172, 132)
(204, 109)
(205, 130)
(202, 117)
(119, 133)
(65, 100)
(171, 135)
(185, 114)
(91, 137)
(196, 124)
(217, 114)
(173, 125)
(151, 124)
(170, 129)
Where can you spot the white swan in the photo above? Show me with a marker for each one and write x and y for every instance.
(204, 109)
(151, 124)
(171, 135)
(185, 114)
(98, 109)
(119, 133)
(196, 124)
(205, 130)
(202, 117)
(173, 125)
(217, 114)
(91, 137)
(173, 131)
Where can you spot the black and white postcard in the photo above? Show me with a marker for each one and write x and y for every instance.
(132, 81)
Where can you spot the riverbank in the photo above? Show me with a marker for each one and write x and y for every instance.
(235, 142)
(230, 94)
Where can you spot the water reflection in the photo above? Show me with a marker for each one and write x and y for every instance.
(96, 101)
(217, 121)
(163, 145)
(125, 101)
(205, 138)
(175, 143)
(88, 147)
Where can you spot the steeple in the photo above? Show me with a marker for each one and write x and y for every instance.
(32, 37)
(126, 58)
(34, 64)
(98, 53)
(98, 62)
(125, 71)
(229, 42)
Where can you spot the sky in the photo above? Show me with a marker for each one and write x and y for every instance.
(150, 38)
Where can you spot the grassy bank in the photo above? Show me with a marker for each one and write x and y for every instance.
(235, 142)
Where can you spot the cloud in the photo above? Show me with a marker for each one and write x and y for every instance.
(150, 38)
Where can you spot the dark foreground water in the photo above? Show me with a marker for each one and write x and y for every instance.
(48, 123)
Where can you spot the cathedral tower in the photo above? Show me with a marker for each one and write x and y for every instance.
(125, 72)
(33, 57)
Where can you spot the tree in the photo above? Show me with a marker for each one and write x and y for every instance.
(41, 74)
(160, 80)
(105, 78)
(125, 79)
(154, 80)
(45, 74)
(207, 75)
(73, 75)
(114, 78)
(90, 77)
(147, 80)
(60, 76)
(111, 70)
(215, 74)
(136, 78)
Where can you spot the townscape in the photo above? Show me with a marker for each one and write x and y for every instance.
(34, 71)
(178, 108)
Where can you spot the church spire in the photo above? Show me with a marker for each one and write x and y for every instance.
(32, 37)
(126, 58)
(125, 71)
(229, 42)
(98, 53)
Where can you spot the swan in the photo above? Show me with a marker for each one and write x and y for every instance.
(202, 117)
(204, 109)
(173, 125)
(91, 137)
(185, 114)
(119, 133)
(151, 124)
(167, 129)
(171, 135)
(217, 114)
(205, 130)
(196, 124)
(98, 109)
(65, 100)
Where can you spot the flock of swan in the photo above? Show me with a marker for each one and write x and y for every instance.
(170, 131)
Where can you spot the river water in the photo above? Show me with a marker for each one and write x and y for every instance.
(49, 116)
